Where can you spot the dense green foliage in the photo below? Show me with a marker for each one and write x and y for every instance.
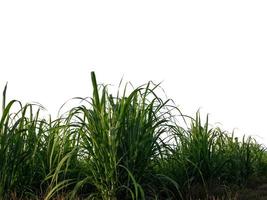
(130, 146)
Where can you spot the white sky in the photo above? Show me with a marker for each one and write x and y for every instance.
(210, 54)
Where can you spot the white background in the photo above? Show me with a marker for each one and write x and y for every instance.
(209, 54)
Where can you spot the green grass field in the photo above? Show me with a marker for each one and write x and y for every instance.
(134, 145)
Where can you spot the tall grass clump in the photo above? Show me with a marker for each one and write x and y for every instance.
(120, 140)
(33, 151)
(19, 141)
(205, 159)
